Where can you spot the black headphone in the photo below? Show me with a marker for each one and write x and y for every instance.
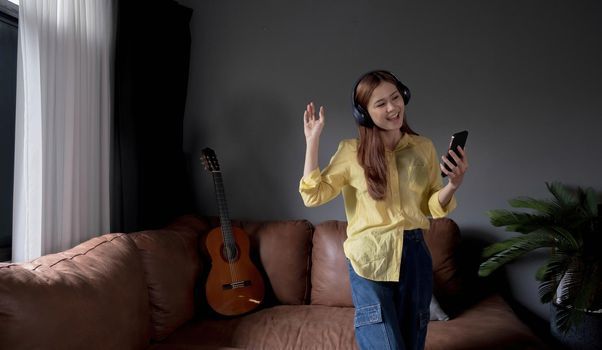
(360, 114)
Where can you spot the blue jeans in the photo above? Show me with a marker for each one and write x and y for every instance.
(395, 315)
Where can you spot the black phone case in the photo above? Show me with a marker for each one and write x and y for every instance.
(458, 139)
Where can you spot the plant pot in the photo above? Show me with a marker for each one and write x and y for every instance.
(587, 335)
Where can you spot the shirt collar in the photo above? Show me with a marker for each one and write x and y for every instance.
(405, 141)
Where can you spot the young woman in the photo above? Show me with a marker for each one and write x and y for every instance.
(391, 183)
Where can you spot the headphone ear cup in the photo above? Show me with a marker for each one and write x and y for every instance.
(405, 92)
(361, 116)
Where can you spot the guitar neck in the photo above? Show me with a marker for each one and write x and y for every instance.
(222, 206)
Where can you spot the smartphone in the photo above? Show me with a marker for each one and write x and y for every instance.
(457, 139)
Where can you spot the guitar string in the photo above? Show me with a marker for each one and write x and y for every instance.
(226, 225)
(225, 231)
(220, 197)
(228, 245)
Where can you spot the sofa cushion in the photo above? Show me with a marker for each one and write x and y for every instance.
(488, 324)
(172, 267)
(443, 240)
(282, 250)
(329, 276)
(92, 296)
(278, 327)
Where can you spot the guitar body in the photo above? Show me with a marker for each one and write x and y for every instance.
(234, 285)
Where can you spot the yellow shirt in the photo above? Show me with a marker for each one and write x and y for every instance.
(375, 228)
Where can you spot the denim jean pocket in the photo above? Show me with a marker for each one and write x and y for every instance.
(371, 330)
(367, 315)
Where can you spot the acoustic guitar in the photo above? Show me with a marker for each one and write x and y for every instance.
(234, 285)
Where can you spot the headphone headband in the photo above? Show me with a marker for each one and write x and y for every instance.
(360, 114)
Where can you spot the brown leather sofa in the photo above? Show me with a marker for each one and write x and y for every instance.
(145, 290)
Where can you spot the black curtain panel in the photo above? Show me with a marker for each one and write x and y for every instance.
(9, 24)
(150, 185)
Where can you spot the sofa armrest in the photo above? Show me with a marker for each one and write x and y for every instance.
(92, 296)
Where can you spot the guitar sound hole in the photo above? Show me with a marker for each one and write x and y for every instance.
(230, 254)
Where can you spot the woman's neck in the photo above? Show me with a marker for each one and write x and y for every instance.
(391, 138)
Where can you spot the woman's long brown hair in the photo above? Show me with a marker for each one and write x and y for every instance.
(371, 152)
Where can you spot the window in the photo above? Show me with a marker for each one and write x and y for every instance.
(9, 13)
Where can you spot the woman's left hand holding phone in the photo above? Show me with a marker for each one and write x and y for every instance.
(456, 175)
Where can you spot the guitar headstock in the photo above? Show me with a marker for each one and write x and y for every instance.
(210, 160)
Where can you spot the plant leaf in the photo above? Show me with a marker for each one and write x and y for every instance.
(547, 290)
(570, 283)
(555, 269)
(566, 239)
(562, 319)
(541, 271)
(583, 290)
(591, 202)
(564, 196)
(517, 222)
(498, 247)
(541, 206)
(517, 247)
(586, 287)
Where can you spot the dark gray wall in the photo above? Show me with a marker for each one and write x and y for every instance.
(523, 76)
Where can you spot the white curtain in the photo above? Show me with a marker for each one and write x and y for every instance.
(64, 74)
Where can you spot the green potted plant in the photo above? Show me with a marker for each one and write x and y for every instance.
(571, 278)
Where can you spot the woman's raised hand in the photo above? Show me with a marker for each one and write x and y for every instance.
(311, 125)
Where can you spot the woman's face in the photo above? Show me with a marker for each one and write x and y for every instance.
(386, 106)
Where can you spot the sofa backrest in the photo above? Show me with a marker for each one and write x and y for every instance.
(330, 277)
(443, 239)
(92, 296)
(329, 274)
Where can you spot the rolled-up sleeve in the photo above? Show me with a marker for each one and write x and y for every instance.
(436, 184)
(319, 187)
(438, 211)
